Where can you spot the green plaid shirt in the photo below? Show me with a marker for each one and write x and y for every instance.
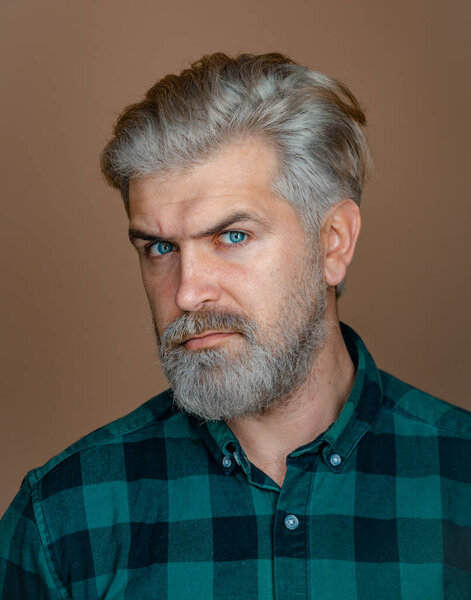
(160, 505)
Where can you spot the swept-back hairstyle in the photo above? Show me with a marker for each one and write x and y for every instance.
(313, 122)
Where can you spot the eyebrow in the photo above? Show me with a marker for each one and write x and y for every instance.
(235, 217)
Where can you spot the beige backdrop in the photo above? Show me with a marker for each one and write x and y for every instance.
(78, 349)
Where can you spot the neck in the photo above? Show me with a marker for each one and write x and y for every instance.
(267, 439)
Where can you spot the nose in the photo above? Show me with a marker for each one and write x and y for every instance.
(197, 285)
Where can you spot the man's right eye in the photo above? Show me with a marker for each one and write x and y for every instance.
(158, 248)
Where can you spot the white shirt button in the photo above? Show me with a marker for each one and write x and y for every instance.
(291, 521)
(335, 460)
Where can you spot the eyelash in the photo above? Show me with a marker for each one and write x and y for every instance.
(148, 247)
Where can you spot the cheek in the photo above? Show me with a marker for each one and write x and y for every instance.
(260, 289)
(161, 298)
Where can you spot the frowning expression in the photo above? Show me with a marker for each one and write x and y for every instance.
(216, 236)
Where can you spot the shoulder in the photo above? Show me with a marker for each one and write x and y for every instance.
(419, 407)
(111, 448)
(87, 487)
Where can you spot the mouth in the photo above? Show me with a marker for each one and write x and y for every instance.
(208, 338)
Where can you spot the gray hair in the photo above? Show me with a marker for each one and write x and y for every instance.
(313, 121)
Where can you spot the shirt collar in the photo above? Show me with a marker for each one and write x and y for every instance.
(362, 405)
(339, 440)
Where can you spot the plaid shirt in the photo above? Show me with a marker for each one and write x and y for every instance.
(160, 505)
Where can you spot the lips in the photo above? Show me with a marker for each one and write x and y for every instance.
(207, 339)
(205, 334)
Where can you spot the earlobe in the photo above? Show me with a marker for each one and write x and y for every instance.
(341, 230)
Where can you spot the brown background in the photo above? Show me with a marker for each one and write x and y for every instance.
(78, 348)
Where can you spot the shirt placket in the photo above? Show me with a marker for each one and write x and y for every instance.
(291, 529)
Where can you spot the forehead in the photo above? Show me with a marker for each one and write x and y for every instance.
(238, 177)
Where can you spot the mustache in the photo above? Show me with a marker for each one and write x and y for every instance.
(190, 324)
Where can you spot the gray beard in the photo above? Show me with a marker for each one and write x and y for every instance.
(224, 383)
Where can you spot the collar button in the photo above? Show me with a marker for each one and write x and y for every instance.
(335, 460)
(227, 462)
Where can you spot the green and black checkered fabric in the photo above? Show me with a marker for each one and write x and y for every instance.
(159, 505)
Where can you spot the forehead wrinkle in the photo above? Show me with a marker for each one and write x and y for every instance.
(180, 210)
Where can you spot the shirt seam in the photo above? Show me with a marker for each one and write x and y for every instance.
(92, 445)
(404, 413)
(45, 541)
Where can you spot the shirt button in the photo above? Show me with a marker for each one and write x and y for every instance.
(335, 460)
(291, 521)
(226, 462)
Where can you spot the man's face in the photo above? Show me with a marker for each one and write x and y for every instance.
(225, 259)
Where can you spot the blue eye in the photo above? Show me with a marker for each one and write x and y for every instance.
(235, 237)
(160, 248)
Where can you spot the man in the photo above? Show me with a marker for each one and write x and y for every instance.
(281, 463)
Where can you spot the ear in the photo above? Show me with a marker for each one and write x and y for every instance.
(340, 232)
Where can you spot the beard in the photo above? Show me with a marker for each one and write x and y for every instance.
(223, 383)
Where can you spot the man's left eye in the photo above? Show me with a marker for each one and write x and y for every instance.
(233, 237)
